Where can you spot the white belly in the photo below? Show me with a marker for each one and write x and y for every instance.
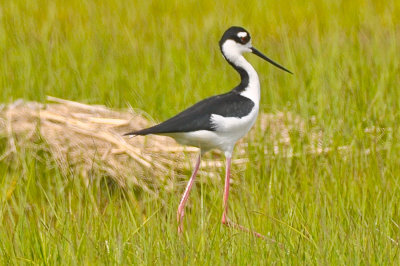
(228, 130)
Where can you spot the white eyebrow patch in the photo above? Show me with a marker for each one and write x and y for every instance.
(242, 34)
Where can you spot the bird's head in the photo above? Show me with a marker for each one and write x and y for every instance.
(235, 41)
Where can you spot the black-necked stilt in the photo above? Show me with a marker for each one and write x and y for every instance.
(220, 121)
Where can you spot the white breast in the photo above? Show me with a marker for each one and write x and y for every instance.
(231, 129)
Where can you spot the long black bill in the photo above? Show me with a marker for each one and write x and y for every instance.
(256, 52)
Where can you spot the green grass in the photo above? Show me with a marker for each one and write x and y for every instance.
(336, 208)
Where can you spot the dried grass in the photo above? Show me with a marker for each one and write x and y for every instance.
(87, 139)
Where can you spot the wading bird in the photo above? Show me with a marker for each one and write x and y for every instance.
(220, 121)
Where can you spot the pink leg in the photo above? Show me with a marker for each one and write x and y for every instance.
(225, 219)
(181, 208)
(226, 189)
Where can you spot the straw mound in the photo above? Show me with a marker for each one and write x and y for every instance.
(87, 140)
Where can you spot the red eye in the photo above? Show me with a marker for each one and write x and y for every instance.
(244, 39)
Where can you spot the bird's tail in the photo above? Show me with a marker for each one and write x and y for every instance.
(141, 132)
(130, 134)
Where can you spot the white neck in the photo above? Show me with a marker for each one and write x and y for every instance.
(233, 53)
(252, 91)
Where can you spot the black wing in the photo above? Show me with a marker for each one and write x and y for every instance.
(197, 117)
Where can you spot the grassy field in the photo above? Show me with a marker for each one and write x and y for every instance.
(162, 56)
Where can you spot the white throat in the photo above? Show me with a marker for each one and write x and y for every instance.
(233, 53)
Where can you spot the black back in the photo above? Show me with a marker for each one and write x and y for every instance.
(198, 116)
